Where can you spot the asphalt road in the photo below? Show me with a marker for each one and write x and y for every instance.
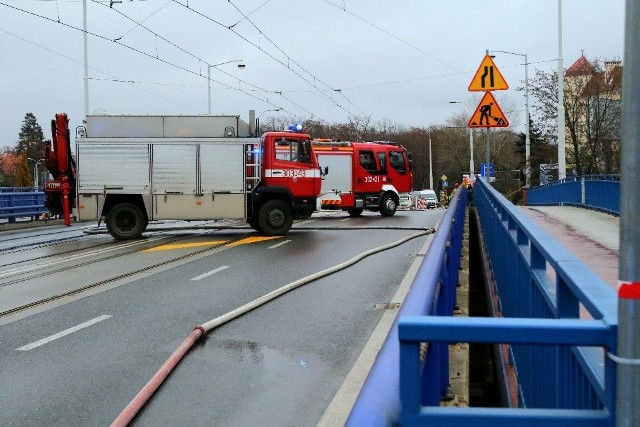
(278, 365)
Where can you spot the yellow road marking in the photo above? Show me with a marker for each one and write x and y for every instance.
(248, 240)
(244, 241)
(185, 245)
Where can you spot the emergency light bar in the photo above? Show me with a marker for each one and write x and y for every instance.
(296, 127)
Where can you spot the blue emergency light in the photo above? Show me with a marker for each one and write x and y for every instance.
(297, 127)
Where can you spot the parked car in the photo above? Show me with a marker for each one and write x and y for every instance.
(429, 196)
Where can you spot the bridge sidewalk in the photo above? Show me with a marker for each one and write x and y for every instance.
(592, 236)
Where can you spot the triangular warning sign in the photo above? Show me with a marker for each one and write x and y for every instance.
(488, 77)
(488, 114)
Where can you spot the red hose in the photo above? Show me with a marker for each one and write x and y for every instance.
(147, 391)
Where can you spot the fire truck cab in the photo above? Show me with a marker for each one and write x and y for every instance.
(364, 175)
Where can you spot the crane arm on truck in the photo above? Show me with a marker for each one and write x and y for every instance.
(60, 192)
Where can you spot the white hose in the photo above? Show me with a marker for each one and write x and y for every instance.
(214, 323)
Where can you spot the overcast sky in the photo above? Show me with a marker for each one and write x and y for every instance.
(395, 61)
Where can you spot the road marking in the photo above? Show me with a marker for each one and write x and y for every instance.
(202, 276)
(185, 245)
(309, 221)
(63, 333)
(248, 240)
(346, 219)
(279, 244)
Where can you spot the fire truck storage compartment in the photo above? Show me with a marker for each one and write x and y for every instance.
(104, 126)
(339, 176)
(189, 178)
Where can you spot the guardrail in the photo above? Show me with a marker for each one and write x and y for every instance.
(598, 192)
(432, 292)
(21, 202)
(559, 356)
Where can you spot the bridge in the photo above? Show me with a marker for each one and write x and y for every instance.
(550, 274)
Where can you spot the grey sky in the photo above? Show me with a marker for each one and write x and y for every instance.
(397, 61)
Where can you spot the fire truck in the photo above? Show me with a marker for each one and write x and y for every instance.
(364, 175)
(130, 170)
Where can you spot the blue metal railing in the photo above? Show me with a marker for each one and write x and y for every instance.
(559, 358)
(432, 292)
(21, 202)
(599, 192)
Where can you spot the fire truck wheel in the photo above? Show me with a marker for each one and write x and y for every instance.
(355, 211)
(275, 218)
(388, 205)
(254, 223)
(126, 221)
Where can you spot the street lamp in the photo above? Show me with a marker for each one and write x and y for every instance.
(260, 115)
(471, 164)
(527, 150)
(430, 164)
(241, 66)
(35, 171)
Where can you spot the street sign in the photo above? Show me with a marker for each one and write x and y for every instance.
(488, 114)
(488, 77)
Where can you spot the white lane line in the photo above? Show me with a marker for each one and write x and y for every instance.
(63, 333)
(202, 276)
(346, 219)
(279, 244)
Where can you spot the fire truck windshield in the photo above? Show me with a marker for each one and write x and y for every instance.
(294, 150)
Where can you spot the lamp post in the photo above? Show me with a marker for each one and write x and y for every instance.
(35, 171)
(430, 164)
(471, 163)
(562, 167)
(209, 66)
(260, 115)
(527, 154)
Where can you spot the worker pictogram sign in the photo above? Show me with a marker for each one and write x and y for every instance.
(488, 114)
(488, 77)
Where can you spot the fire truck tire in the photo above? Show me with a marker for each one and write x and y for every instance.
(355, 211)
(388, 205)
(275, 218)
(126, 221)
(254, 223)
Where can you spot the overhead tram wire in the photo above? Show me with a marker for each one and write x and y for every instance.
(113, 78)
(260, 49)
(293, 61)
(157, 58)
(344, 9)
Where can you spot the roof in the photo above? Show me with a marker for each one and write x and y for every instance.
(580, 68)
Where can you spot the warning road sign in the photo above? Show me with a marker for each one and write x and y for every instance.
(488, 114)
(488, 77)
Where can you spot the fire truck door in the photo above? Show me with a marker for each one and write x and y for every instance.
(371, 172)
(292, 167)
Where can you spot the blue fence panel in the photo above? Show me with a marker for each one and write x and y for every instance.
(432, 292)
(539, 285)
(21, 202)
(599, 192)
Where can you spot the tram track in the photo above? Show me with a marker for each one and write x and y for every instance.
(40, 274)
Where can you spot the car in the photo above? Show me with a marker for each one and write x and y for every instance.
(429, 196)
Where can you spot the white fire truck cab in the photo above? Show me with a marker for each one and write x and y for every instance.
(364, 175)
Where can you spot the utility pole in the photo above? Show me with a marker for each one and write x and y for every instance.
(628, 351)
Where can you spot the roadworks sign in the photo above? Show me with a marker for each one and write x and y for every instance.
(488, 114)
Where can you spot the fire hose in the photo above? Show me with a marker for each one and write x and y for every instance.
(138, 402)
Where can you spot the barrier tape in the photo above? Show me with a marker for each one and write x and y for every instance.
(629, 290)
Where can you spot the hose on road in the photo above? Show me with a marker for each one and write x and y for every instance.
(149, 389)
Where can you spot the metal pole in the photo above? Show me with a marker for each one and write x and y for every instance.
(527, 155)
(430, 165)
(628, 372)
(562, 167)
(86, 60)
(471, 165)
(209, 86)
(488, 155)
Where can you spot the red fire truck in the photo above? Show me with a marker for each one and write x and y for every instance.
(364, 175)
(136, 169)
